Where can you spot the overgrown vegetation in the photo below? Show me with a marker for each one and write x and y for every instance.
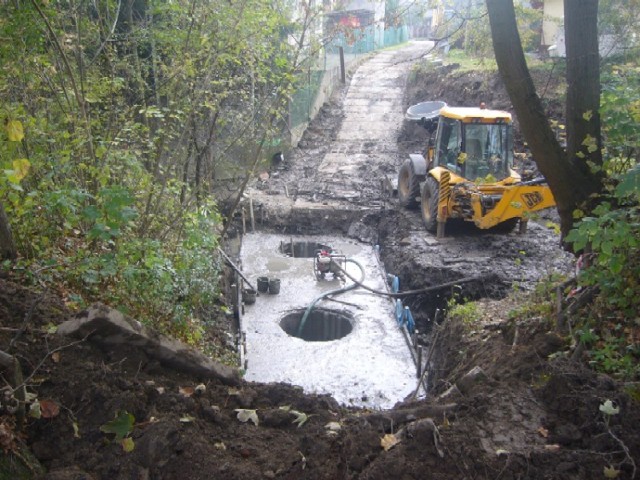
(120, 120)
(609, 235)
(603, 305)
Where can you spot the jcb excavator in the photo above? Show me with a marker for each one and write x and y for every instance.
(467, 172)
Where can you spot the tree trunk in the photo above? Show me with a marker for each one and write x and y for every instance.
(7, 246)
(584, 141)
(572, 185)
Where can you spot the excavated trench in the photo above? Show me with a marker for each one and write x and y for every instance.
(351, 345)
(334, 193)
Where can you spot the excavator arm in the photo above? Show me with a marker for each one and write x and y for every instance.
(516, 202)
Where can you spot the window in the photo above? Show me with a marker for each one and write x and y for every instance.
(448, 142)
(489, 151)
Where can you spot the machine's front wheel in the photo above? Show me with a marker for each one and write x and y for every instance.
(430, 204)
(408, 186)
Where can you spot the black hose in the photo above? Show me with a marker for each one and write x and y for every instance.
(357, 283)
(413, 292)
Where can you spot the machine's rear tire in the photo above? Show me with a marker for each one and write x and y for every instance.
(408, 186)
(429, 206)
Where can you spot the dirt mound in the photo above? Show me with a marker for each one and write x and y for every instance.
(524, 418)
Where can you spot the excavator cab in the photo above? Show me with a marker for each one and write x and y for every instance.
(468, 171)
(475, 147)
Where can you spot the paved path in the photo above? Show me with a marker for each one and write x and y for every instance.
(345, 172)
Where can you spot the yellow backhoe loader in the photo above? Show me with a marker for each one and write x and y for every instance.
(467, 172)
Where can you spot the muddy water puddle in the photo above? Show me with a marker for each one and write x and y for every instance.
(349, 347)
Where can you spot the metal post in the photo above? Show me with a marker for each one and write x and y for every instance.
(343, 73)
(253, 219)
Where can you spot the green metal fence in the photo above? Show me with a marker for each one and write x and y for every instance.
(302, 101)
(324, 75)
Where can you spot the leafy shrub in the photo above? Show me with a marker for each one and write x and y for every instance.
(466, 312)
(611, 236)
(620, 111)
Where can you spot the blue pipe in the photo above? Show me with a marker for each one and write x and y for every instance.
(399, 311)
(303, 320)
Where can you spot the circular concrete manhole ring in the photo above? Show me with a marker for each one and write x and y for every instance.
(298, 249)
(322, 325)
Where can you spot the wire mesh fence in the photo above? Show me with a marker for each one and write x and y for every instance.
(323, 74)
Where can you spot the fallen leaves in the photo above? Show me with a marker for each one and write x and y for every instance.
(244, 415)
(608, 409)
(610, 472)
(191, 391)
(186, 391)
(389, 441)
(301, 417)
(8, 435)
(44, 409)
(121, 426)
(34, 410)
(333, 428)
(127, 444)
(49, 409)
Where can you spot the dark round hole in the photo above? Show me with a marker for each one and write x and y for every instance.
(322, 325)
(302, 249)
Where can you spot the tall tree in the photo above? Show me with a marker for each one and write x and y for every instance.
(583, 83)
(568, 172)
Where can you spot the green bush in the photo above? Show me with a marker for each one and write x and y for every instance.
(611, 236)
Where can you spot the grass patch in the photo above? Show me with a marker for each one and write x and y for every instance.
(468, 63)
(468, 312)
